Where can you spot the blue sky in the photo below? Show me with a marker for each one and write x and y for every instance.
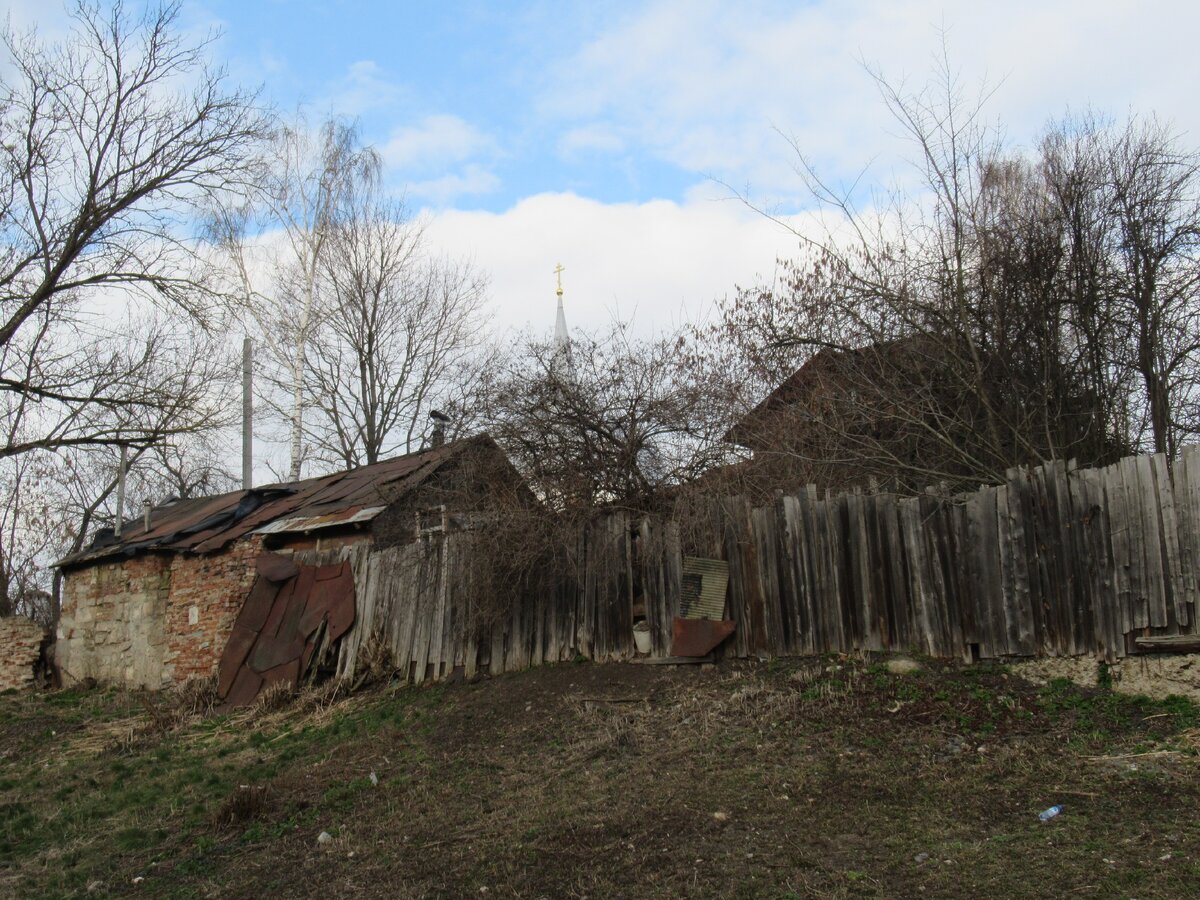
(458, 95)
(599, 134)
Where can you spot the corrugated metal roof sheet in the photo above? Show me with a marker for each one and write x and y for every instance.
(314, 523)
(207, 524)
(703, 588)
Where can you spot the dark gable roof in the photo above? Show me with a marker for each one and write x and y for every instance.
(834, 370)
(207, 524)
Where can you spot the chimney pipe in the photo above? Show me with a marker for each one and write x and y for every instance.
(438, 435)
(247, 414)
(146, 513)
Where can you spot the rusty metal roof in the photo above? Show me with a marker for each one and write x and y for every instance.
(207, 524)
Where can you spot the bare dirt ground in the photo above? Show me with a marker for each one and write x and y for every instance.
(813, 778)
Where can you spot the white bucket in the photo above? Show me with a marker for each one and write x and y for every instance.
(641, 637)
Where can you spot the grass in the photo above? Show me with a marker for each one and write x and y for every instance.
(827, 778)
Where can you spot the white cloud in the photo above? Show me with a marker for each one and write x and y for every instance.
(590, 138)
(364, 87)
(658, 263)
(702, 85)
(473, 180)
(435, 141)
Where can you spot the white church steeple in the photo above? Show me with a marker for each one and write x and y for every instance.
(562, 339)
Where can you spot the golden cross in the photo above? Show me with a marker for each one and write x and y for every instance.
(558, 270)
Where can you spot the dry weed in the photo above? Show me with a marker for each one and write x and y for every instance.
(274, 697)
(246, 803)
(197, 696)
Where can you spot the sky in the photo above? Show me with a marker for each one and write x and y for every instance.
(612, 137)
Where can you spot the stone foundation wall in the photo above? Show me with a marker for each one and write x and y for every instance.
(207, 593)
(112, 623)
(20, 647)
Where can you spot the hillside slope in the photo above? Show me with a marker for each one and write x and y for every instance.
(830, 778)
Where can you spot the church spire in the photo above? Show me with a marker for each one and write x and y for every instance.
(561, 337)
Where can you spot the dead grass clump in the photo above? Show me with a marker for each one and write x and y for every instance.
(609, 731)
(197, 696)
(374, 662)
(274, 697)
(323, 697)
(247, 803)
(1190, 739)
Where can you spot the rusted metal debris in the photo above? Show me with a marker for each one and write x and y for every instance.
(291, 610)
(698, 637)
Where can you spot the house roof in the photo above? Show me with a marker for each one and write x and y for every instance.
(835, 369)
(207, 524)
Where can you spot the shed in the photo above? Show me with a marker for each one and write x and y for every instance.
(157, 605)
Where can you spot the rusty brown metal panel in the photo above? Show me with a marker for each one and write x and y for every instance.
(245, 688)
(258, 604)
(274, 567)
(286, 671)
(241, 639)
(341, 604)
(698, 637)
(290, 614)
(270, 652)
(271, 626)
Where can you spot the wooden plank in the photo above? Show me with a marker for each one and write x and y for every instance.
(673, 580)
(1189, 500)
(1152, 548)
(1018, 561)
(1174, 643)
(762, 522)
(900, 600)
(1075, 562)
(1169, 530)
(871, 636)
(1107, 495)
(793, 581)
(437, 605)
(404, 566)
(1119, 538)
(914, 551)
(1135, 540)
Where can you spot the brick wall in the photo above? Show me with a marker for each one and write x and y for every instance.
(152, 620)
(112, 623)
(20, 647)
(207, 593)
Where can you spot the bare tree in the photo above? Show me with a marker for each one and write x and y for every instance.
(110, 139)
(627, 419)
(278, 240)
(405, 327)
(1155, 191)
(998, 316)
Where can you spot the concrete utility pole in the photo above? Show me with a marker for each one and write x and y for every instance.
(247, 414)
(121, 491)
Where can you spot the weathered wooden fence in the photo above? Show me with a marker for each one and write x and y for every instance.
(1056, 561)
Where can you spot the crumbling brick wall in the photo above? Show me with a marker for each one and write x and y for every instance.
(153, 619)
(207, 593)
(20, 647)
(111, 624)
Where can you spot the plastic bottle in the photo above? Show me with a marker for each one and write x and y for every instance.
(1047, 814)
